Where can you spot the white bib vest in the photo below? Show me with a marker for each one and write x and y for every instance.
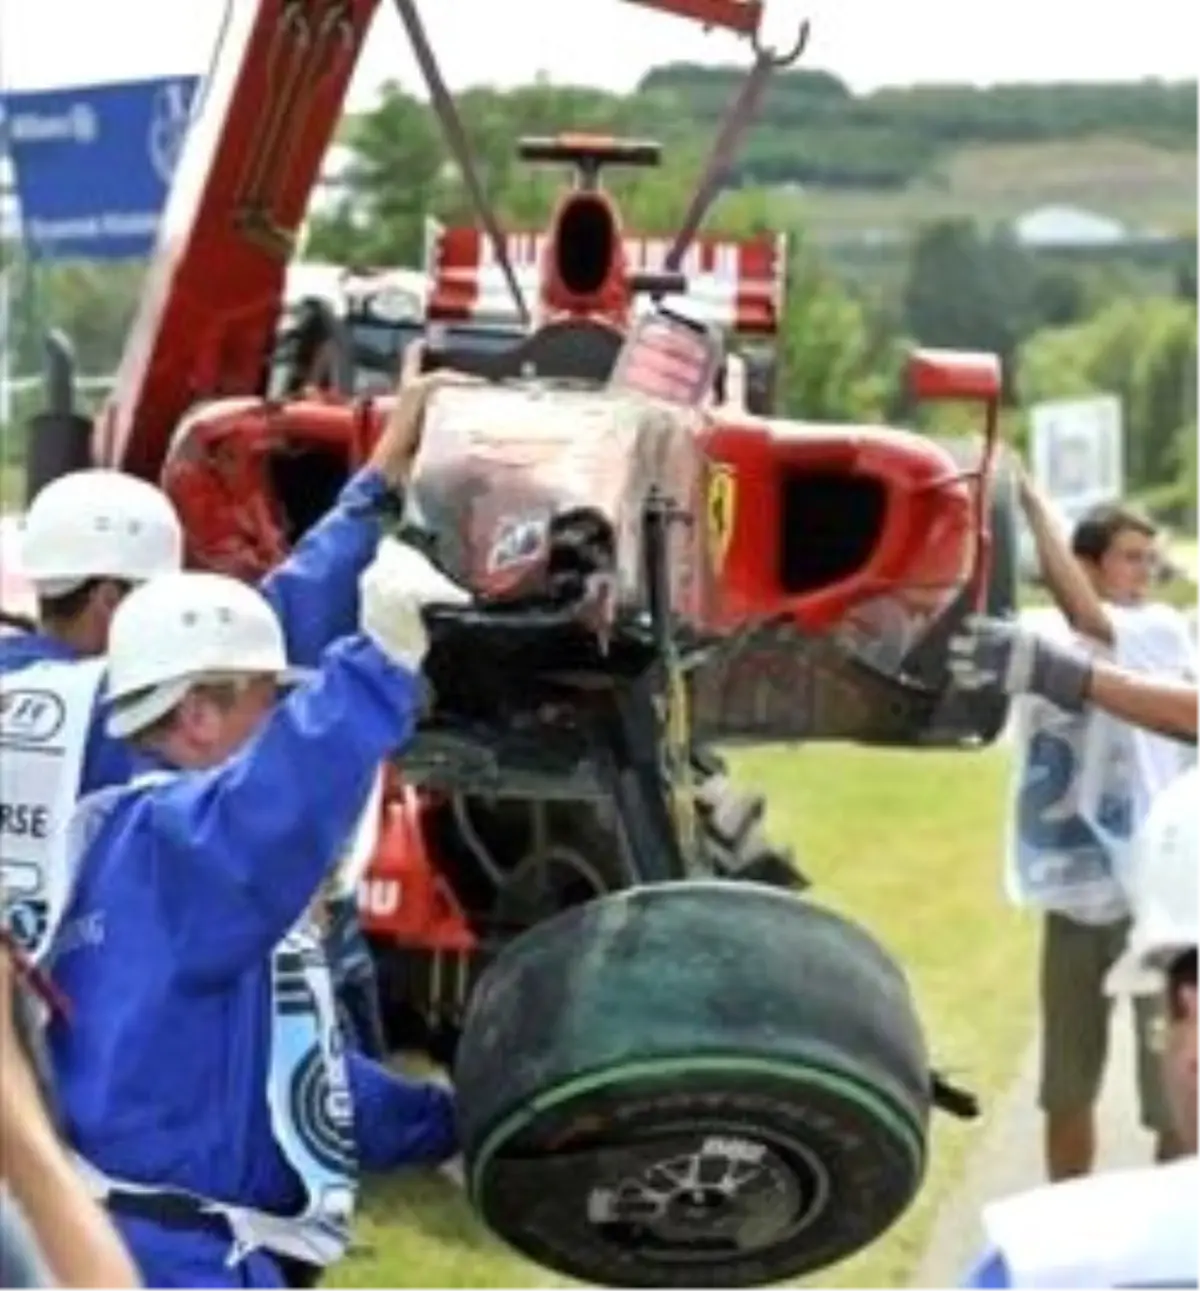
(1126, 767)
(1128, 1228)
(1068, 780)
(307, 1093)
(45, 717)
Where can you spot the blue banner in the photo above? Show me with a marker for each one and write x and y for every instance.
(92, 165)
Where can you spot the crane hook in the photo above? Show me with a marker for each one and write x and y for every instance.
(786, 59)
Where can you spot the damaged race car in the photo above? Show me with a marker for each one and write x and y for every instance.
(673, 1066)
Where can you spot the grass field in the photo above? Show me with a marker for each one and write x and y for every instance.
(10, 489)
(905, 841)
(1142, 186)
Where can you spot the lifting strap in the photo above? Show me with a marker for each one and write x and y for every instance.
(443, 105)
(738, 119)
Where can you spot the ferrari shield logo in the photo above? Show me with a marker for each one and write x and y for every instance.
(722, 500)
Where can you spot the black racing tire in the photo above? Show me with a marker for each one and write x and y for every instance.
(734, 846)
(692, 1084)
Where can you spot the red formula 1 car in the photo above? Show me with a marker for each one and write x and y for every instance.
(659, 564)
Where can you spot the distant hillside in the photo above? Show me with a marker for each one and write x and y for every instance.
(1150, 190)
(814, 130)
(857, 170)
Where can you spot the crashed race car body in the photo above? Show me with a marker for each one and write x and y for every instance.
(658, 561)
(817, 564)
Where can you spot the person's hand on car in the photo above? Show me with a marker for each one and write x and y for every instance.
(394, 590)
(397, 447)
(999, 654)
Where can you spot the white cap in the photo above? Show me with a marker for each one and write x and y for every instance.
(17, 594)
(1164, 891)
(99, 524)
(178, 628)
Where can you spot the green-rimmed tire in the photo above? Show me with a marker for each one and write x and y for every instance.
(692, 1084)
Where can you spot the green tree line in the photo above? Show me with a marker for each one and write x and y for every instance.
(813, 129)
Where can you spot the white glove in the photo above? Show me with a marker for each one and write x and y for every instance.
(393, 590)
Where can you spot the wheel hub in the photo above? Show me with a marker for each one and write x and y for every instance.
(733, 1192)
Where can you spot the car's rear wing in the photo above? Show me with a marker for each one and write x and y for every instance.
(737, 285)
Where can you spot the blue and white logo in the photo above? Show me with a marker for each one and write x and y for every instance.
(93, 164)
(169, 119)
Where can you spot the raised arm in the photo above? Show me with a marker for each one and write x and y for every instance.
(315, 590)
(1065, 578)
(240, 850)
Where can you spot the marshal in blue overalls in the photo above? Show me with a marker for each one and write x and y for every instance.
(203, 1076)
(315, 595)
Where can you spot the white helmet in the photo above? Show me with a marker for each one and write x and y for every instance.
(179, 627)
(99, 524)
(1164, 890)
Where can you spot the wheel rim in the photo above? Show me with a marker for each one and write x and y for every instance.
(735, 1192)
(811, 1176)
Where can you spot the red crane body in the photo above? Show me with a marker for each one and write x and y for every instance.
(208, 313)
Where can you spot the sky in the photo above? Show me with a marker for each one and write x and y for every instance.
(48, 43)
